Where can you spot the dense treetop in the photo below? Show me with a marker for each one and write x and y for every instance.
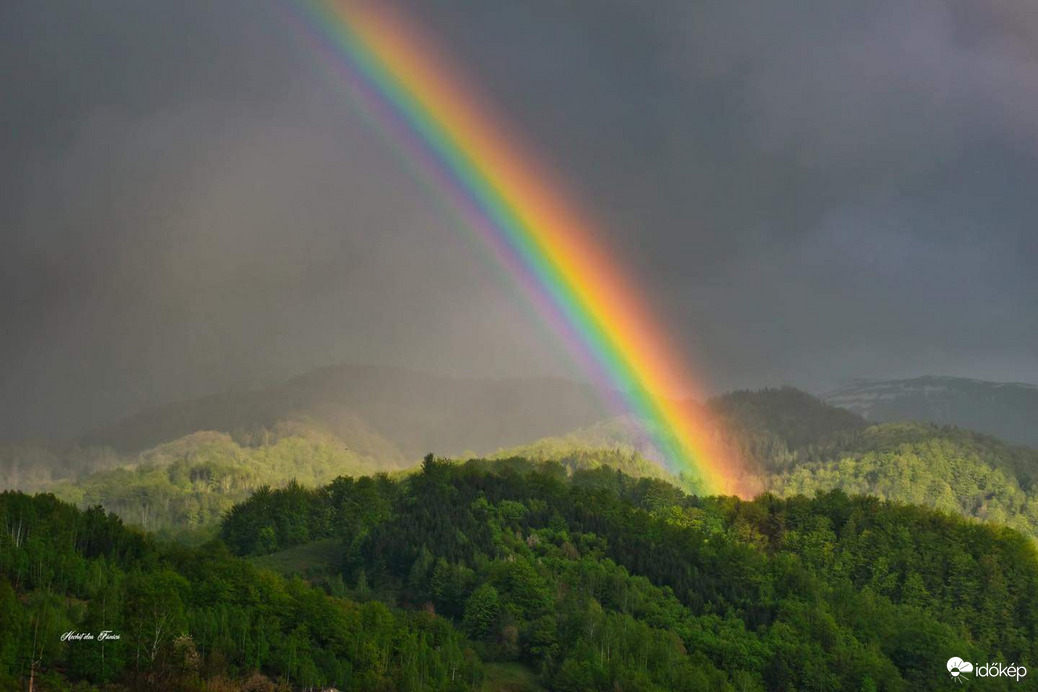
(572, 563)
(590, 579)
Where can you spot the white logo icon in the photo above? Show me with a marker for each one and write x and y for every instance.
(958, 668)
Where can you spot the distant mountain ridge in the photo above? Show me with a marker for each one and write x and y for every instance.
(769, 430)
(392, 413)
(1008, 410)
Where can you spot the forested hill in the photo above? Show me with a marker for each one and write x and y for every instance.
(789, 414)
(489, 574)
(793, 441)
(771, 430)
(944, 468)
(801, 445)
(183, 487)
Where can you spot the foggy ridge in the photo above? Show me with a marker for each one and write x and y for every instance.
(417, 412)
(1008, 410)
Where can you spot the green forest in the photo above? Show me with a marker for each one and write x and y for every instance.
(463, 572)
(794, 442)
(282, 559)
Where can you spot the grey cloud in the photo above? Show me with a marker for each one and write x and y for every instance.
(809, 192)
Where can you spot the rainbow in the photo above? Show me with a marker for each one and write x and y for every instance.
(534, 230)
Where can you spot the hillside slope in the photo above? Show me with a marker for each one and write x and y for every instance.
(798, 444)
(792, 442)
(597, 580)
(770, 429)
(182, 488)
(944, 468)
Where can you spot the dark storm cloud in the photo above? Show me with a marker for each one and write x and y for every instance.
(819, 190)
(812, 192)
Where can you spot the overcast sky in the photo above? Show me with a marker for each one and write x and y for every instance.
(810, 191)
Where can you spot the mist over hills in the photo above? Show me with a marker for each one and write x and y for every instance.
(178, 467)
(395, 414)
(1006, 410)
(398, 415)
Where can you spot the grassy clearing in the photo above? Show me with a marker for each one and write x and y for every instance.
(510, 677)
(303, 560)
